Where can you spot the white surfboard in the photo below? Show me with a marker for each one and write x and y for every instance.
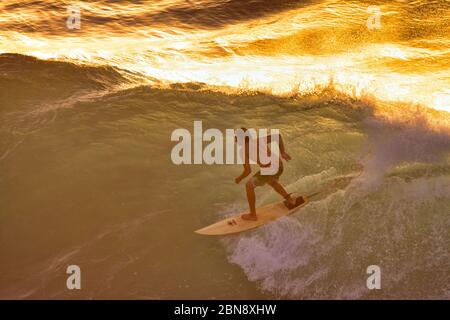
(265, 214)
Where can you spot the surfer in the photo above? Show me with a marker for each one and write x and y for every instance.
(259, 179)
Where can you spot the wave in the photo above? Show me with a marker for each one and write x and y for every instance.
(411, 140)
(204, 14)
(82, 165)
(323, 251)
(25, 80)
(397, 132)
(195, 14)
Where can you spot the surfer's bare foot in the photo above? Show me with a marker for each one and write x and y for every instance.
(290, 201)
(249, 216)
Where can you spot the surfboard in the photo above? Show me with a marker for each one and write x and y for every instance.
(265, 214)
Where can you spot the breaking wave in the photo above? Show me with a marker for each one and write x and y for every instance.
(98, 155)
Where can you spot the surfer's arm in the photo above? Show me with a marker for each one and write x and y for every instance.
(245, 173)
(283, 152)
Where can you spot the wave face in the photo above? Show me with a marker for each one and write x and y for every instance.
(86, 176)
(87, 179)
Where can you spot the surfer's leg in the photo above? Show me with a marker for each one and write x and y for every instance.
(251, 198)
(279, 188)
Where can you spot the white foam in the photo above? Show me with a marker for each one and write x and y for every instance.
(324, 250)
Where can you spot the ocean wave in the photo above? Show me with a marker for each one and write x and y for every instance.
(26, 80)
(323, 250)
(105, 160)
(115, 16)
